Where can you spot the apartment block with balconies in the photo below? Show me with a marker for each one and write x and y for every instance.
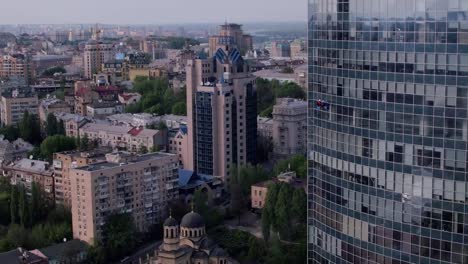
(141, 185)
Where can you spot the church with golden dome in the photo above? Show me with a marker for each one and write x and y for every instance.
(188, 243)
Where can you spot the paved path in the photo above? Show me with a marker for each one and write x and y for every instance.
(249, 222)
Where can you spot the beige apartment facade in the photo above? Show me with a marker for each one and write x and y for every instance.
(65, 161)
(95, 55)
(140, 185)
(25, 172)
(258, 194)
(51, 106)
(14, 65)
(130, 138)
(289, 127)
(178, 144)
(13, 106)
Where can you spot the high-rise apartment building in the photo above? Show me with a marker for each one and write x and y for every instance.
(140, 185)
(64, 162)
(231, 35)
(388, 97)
(280, 49)
(96, 53)
(16, 65)
(222, 112)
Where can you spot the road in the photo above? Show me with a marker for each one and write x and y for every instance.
(142, 253)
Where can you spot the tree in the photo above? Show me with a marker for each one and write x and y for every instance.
(35, 203)
(84, 143)
(23, 211)
(276, 254)
(299, 205)
(29, 128)
(180, 108)
(10, 133)
(61, 128)
(296, 163)
(119, 238)
(257, 250)
(267, 112)
(268, 212)
(290, 89)
(269, 91)
(264, 148)
(236, 200)
(51, 71)
(51, 125)
(200, 201)
(17, 236)
(14, 214)
(54, 144)
(283, 211)
(143, 149)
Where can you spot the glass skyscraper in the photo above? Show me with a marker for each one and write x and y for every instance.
(388, 131)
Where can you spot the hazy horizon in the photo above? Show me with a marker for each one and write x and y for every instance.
(147, 12)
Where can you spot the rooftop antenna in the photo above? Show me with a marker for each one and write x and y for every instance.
(192, 207)
(170, 212)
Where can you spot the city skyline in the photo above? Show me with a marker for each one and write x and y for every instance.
(154, 13)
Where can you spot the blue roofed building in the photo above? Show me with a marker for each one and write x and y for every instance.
(190, 181)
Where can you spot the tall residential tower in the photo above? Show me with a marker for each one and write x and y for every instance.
(222, 112)
(388, 131)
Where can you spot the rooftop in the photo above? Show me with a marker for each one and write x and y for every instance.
(105, 104)
(133, 159)
(36, 166)
(133, 131)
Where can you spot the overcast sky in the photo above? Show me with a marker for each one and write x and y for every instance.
(150, 11)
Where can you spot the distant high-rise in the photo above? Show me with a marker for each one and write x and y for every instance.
(388, 137)
(222, 112)
(96, 53)
(231, 35)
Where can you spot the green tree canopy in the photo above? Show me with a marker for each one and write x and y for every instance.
(119, 236)
(54, 144)
(51, 125)
(269, 91)
(53, 70)
(157, 98)
(180, 108)
(30, 129)
(10, 132)
(297, 163)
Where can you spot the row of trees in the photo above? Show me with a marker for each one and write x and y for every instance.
(53, 126)
(29, 128)
(30, 221)
(158, 98)
(285, 212)
(268, 91)
(120, 238)
(246, 248)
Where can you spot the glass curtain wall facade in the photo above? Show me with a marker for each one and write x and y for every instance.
(388, 131)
